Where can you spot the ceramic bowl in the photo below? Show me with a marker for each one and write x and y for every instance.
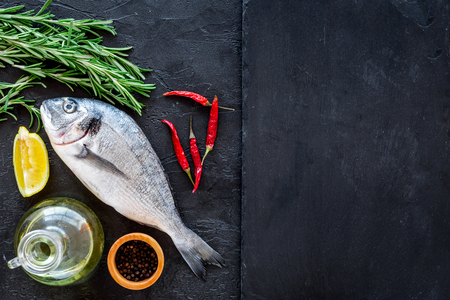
(132, 285)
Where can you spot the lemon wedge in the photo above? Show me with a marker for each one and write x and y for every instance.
(30, 159)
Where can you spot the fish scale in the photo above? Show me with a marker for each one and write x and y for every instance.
(112, 157)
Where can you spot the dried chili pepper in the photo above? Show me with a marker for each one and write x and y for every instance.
(212, 127)
(179, 150)
(194, 96)
(195, 157)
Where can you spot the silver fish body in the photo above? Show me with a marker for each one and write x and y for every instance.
(112, 157)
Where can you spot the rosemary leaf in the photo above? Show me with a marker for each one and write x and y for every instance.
(44, 7)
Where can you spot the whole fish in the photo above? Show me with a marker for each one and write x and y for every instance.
(111, 156)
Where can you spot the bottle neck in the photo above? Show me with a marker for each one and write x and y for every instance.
(39, 252)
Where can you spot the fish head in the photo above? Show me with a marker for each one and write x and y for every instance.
(67, 120)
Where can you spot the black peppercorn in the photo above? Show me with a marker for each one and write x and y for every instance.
(141, 255)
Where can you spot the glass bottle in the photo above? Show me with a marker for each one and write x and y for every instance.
(59, 241)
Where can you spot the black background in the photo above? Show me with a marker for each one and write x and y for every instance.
(346, 186)
(331, 182)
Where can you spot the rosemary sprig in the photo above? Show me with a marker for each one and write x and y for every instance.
(30, 41)
(7, 99)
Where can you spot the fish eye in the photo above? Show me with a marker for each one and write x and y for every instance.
(69, 106)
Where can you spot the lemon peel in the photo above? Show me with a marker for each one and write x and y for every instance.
(30, 160)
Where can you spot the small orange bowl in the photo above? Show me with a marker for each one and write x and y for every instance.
(135, 285)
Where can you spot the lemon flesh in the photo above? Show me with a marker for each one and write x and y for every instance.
(30, 159)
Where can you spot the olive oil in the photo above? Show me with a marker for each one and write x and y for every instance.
(59, 241)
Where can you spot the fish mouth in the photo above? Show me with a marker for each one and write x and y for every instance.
(92, 128)
(71, 142)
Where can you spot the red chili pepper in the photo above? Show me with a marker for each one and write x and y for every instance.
(179, 150)
(212, 126)
(195, 157)
(196, 97)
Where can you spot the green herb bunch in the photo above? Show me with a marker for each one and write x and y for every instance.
(31, 42)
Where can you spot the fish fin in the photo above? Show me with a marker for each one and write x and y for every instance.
(99, 162)
(196, 252)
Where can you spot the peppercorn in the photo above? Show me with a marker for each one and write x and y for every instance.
(136, 260)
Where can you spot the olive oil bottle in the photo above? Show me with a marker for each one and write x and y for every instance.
(59, 241)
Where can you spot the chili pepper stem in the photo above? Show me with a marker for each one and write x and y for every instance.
(188, 172)
(206, 153)
(191, 132)
(227, 108)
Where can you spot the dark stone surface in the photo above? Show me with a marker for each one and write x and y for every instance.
(344, 145)
(346, 190)
(190, 46)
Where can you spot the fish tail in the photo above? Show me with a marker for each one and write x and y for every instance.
(197, 253)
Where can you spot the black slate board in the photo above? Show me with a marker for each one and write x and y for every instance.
(346, 191)
(190, 46)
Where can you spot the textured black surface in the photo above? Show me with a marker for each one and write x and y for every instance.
(190, 46)
(346, 190)
(345, 173)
